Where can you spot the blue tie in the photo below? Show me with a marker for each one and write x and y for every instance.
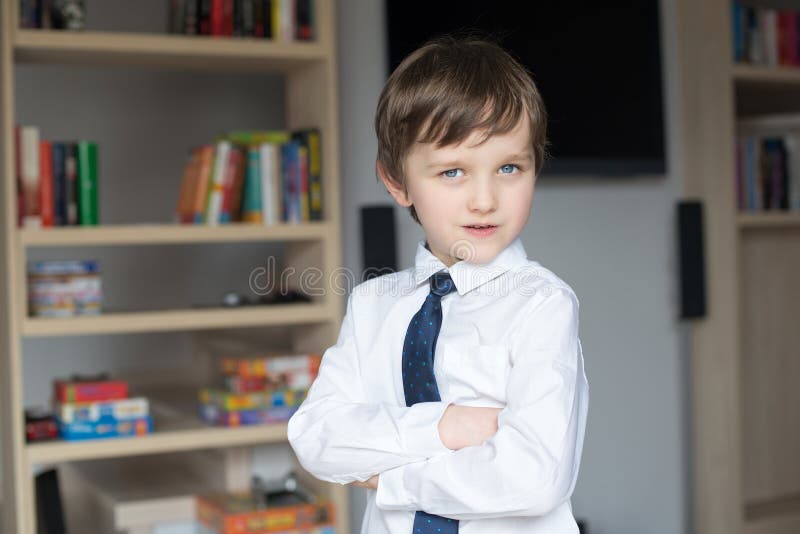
(419, 382)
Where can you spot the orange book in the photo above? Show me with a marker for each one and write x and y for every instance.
(184, 210)
(204, 167)
(46, 183)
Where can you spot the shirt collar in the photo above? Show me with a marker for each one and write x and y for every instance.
(467, 276)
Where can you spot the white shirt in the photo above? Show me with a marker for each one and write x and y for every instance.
(509, 339)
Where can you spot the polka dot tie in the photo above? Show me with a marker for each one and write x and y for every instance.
(419, 382)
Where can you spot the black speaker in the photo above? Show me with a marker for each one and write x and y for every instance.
(378, 240)
(49, 510)
(692, 259)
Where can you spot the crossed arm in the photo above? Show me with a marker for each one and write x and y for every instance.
(459, 427)
(458, 461)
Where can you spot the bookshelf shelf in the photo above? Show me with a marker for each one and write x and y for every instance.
(769, 220)
(176, 320)
(184, 439)
(167, 234)
(168, 51)
(754, 75)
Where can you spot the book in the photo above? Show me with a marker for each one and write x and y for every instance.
(310, 139)
(88, 211)
(252, 201)
(205, 170)
(229, 186)
(71, 175)
(46, 198)
(59, 184)
(217, 185)
(183, 210)
(271, 190)
(29, 142)
(214, 415)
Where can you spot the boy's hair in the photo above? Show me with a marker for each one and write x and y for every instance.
(448, 88)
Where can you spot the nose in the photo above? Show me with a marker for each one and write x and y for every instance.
(483, 197)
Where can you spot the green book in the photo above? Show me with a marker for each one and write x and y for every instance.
(87, 184)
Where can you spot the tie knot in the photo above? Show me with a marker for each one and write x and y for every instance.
(442, 284)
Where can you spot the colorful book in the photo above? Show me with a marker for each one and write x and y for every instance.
(88, 210)
(252, 201)
(217, 185)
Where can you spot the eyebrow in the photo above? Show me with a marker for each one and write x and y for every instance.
(522, 156)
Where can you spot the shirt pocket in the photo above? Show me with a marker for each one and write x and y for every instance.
(476, 372)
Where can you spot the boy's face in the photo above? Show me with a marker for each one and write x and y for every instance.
(455, 187)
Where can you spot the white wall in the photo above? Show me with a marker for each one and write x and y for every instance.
(613, 241)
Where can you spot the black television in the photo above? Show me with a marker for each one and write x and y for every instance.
(597, 65)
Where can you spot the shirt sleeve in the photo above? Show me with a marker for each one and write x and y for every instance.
(530, 466)
(340, 437)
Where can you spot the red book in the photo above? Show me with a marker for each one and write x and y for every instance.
(785, 24)
(227, 17)
(89, 391)
(217, 17)
(46, 185)
(229, 185)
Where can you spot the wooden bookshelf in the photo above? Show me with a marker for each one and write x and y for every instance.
(164, 51)
(751, 221)
(175, 436)
(177, 320)
(309, 73)
(170, 234)
(758, 75)
(743, 353)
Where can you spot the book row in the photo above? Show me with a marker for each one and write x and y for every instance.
(286, 20)
(52, 14)
(765, 36)
(253, 177)
(768, 173)
(56, 181)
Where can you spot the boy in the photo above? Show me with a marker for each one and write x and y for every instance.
(456, 388)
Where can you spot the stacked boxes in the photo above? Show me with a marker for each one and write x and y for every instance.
(64, 288)
(258, 390)
(91, 409)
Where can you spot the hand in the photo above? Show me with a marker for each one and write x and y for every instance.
(372, 483)
(467, 426)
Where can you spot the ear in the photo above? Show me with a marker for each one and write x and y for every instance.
(395, 189)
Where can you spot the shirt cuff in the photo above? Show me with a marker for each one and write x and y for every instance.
(419, 429)
(391, 493)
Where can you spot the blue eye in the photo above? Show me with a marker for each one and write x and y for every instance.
(449, 173)
(508, 168)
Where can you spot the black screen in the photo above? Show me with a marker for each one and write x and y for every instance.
(597, 65)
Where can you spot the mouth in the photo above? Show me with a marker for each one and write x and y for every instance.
(481, 229)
